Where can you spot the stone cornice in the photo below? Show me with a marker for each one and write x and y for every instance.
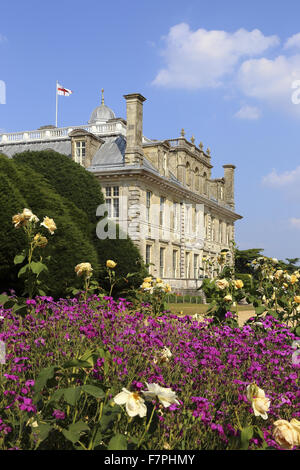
(167, 186)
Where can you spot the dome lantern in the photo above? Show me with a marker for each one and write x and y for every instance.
(102, 113)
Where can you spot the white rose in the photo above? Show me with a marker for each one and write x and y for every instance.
(259, 402)
(165, 395)
(135, 404)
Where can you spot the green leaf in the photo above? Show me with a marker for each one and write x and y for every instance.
(42, 431)
(3, 299)
(246, 435)
(98, 437)
(43, 378)
(90, 357)
(23, 270)
(37, 267)
(72, 395)
(6, 301)
(20, 309)
(41, 292)
(18, 259)
(93, 390)
(57, 395)
(76, 363)
(118, 442)
(110, 414)
(298, 331)
(74, 431)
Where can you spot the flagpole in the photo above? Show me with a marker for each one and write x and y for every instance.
(56, 104)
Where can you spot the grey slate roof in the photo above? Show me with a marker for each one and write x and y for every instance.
(112, 152)
(111, 156)
(61, 146)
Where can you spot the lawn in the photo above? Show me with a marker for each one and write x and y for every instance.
(245, 311)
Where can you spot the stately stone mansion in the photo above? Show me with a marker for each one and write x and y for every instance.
(160, 191)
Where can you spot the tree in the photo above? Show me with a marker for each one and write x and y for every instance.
(243, 259)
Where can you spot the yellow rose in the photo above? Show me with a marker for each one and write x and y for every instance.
(146, 285)
(297, 299)
(40, 240)
(238, 284)
(286, 434)
(84, 268)
(110, 264)
(296, 425)
(293, 279)
(228, 298)
(222, 283)
(278, 274)
(148, 279)
(19, 220)
(49, 224)
(159, 280)
(28, 215)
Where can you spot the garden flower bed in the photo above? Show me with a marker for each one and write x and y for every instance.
(93, 350)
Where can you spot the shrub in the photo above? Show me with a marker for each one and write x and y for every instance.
(82, 188)
(71, 242)
(11, 241)
(69, 179)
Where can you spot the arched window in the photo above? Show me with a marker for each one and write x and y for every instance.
(196, 179)
(204, 183)
(221, 192)
(188, 174)
(165, 164)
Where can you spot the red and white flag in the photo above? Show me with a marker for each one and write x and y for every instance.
(63, 91)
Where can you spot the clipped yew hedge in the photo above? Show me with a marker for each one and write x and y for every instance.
(21, 187)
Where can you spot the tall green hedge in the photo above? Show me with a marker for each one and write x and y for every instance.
(82, 188)
(71, 244)
(69, 179)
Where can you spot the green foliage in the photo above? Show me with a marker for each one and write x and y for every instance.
(11, 240)
(22, 187)
(79, 187)
(208, 288)
(246, 278)
(128, 259)
(69, 179)
(243, 259)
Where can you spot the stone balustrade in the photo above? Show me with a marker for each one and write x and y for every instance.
(61, 132)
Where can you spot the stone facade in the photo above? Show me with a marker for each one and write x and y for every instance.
(160, 192)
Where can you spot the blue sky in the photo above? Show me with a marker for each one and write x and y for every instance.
(221, 70)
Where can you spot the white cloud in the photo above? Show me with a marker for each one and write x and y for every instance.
(201, 58)
(271, 80)
(293, 41)
(248, 112)
(295, 222)
(287, 179)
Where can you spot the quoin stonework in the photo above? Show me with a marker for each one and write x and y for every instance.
(159, 191)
